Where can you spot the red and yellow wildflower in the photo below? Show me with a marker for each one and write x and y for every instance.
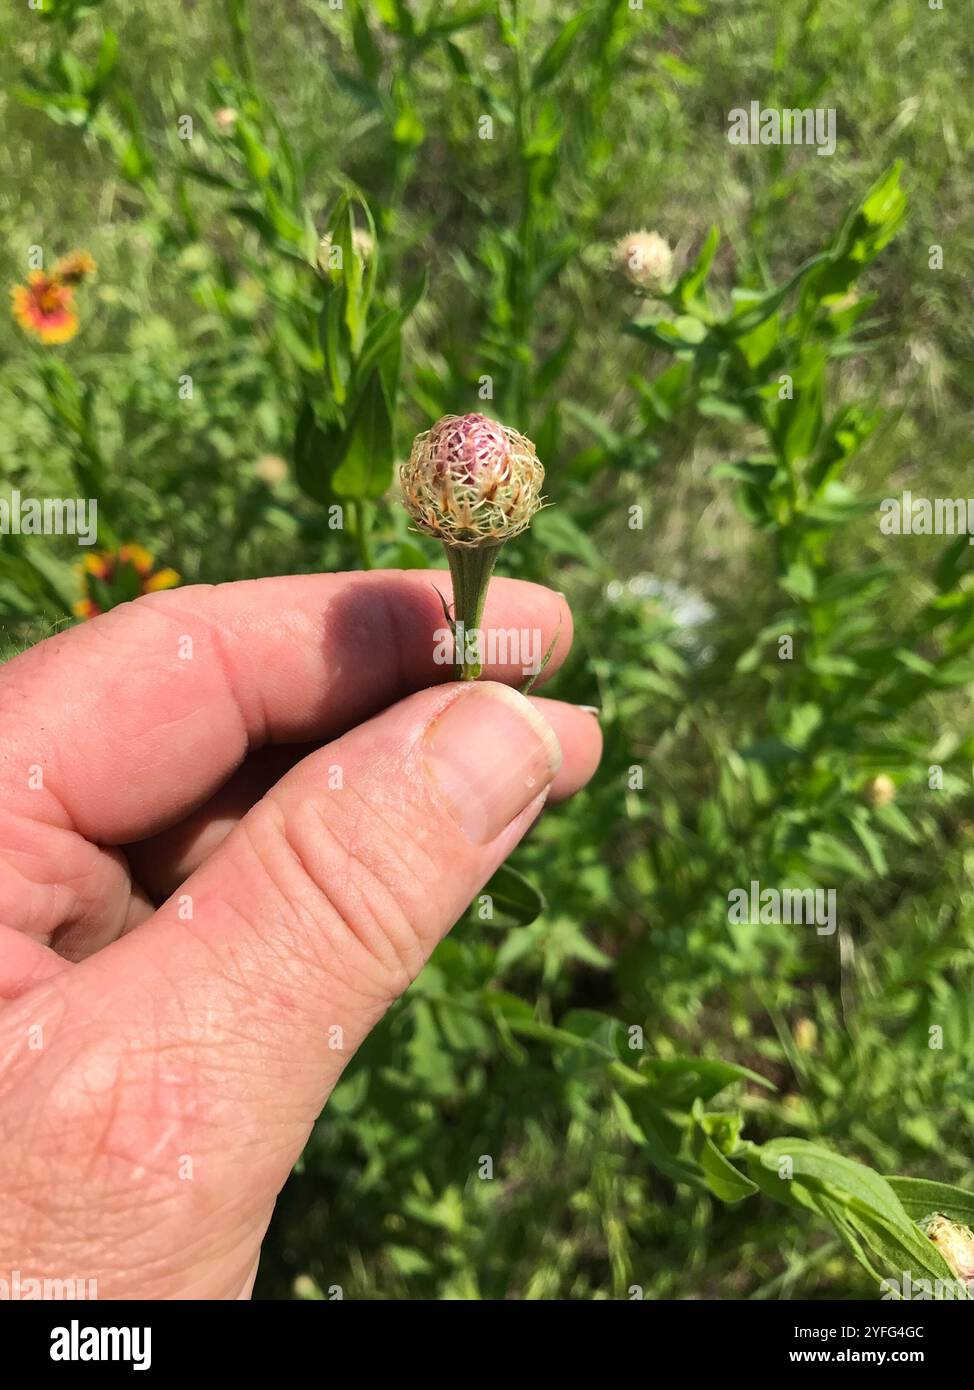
(110, 577)
(44, 307)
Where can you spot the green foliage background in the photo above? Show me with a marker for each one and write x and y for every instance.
(612, 1168)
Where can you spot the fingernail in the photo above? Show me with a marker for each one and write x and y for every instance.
(589, 709)
(489, 755)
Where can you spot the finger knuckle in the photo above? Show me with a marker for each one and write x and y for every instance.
(340, 880)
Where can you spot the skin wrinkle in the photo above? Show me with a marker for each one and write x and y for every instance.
(120, 1166)
(204, 1045)
(313, 920)
(255, 1049)
(101, 1148)
(42, 1133)
(198, 1241)
(382, 924)
(88, 877)
(254, 730)
(65, 919)
(240, 1054)
(171, 986)
(199, 1252)
(399, 835)
(245, 928)
(115, 1276)
(31, 1011)
(37, 922)
(221, 959)
(67, 936)
(119, 1120)
(379, 929)
(27, 963)
(374, 810)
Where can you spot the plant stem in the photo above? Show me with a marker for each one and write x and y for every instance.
(470, 570)
(238, 13)
(523, 267)
(361, 524)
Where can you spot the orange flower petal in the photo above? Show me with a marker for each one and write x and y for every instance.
(162, 579)
(97, 564)
(60, 331)
(137, 556)
(44, 307)
(75, 266)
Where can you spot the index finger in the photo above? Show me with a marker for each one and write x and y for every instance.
(132, 720)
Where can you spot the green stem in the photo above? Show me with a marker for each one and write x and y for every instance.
(523, 306)
(361, 524)
(470, 570)
(238, 12)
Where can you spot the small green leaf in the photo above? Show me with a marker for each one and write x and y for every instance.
(663, 1140)
(691, 281)
(678, 1081)
(514, 898)
(754, 314)
(316, 453)
(366, 49)
(720, 1175)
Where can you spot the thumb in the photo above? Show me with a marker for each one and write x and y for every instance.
(329, 896)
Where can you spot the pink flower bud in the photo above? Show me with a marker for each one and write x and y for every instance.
(471, 481)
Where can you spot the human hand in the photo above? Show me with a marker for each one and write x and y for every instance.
(190, 901)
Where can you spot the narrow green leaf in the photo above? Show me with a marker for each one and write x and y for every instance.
(921, 1197)
(558, 52)
(366, 469)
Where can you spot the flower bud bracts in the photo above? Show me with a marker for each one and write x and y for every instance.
(471, 481)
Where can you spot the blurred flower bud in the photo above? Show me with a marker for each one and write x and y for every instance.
(225, 117)
(879, 791)
(954, 1241)
(75, 267)
(271, 469)
(362, 245)
(646, 260)
(304, 1287)
(806, 1035)
(470, 481)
